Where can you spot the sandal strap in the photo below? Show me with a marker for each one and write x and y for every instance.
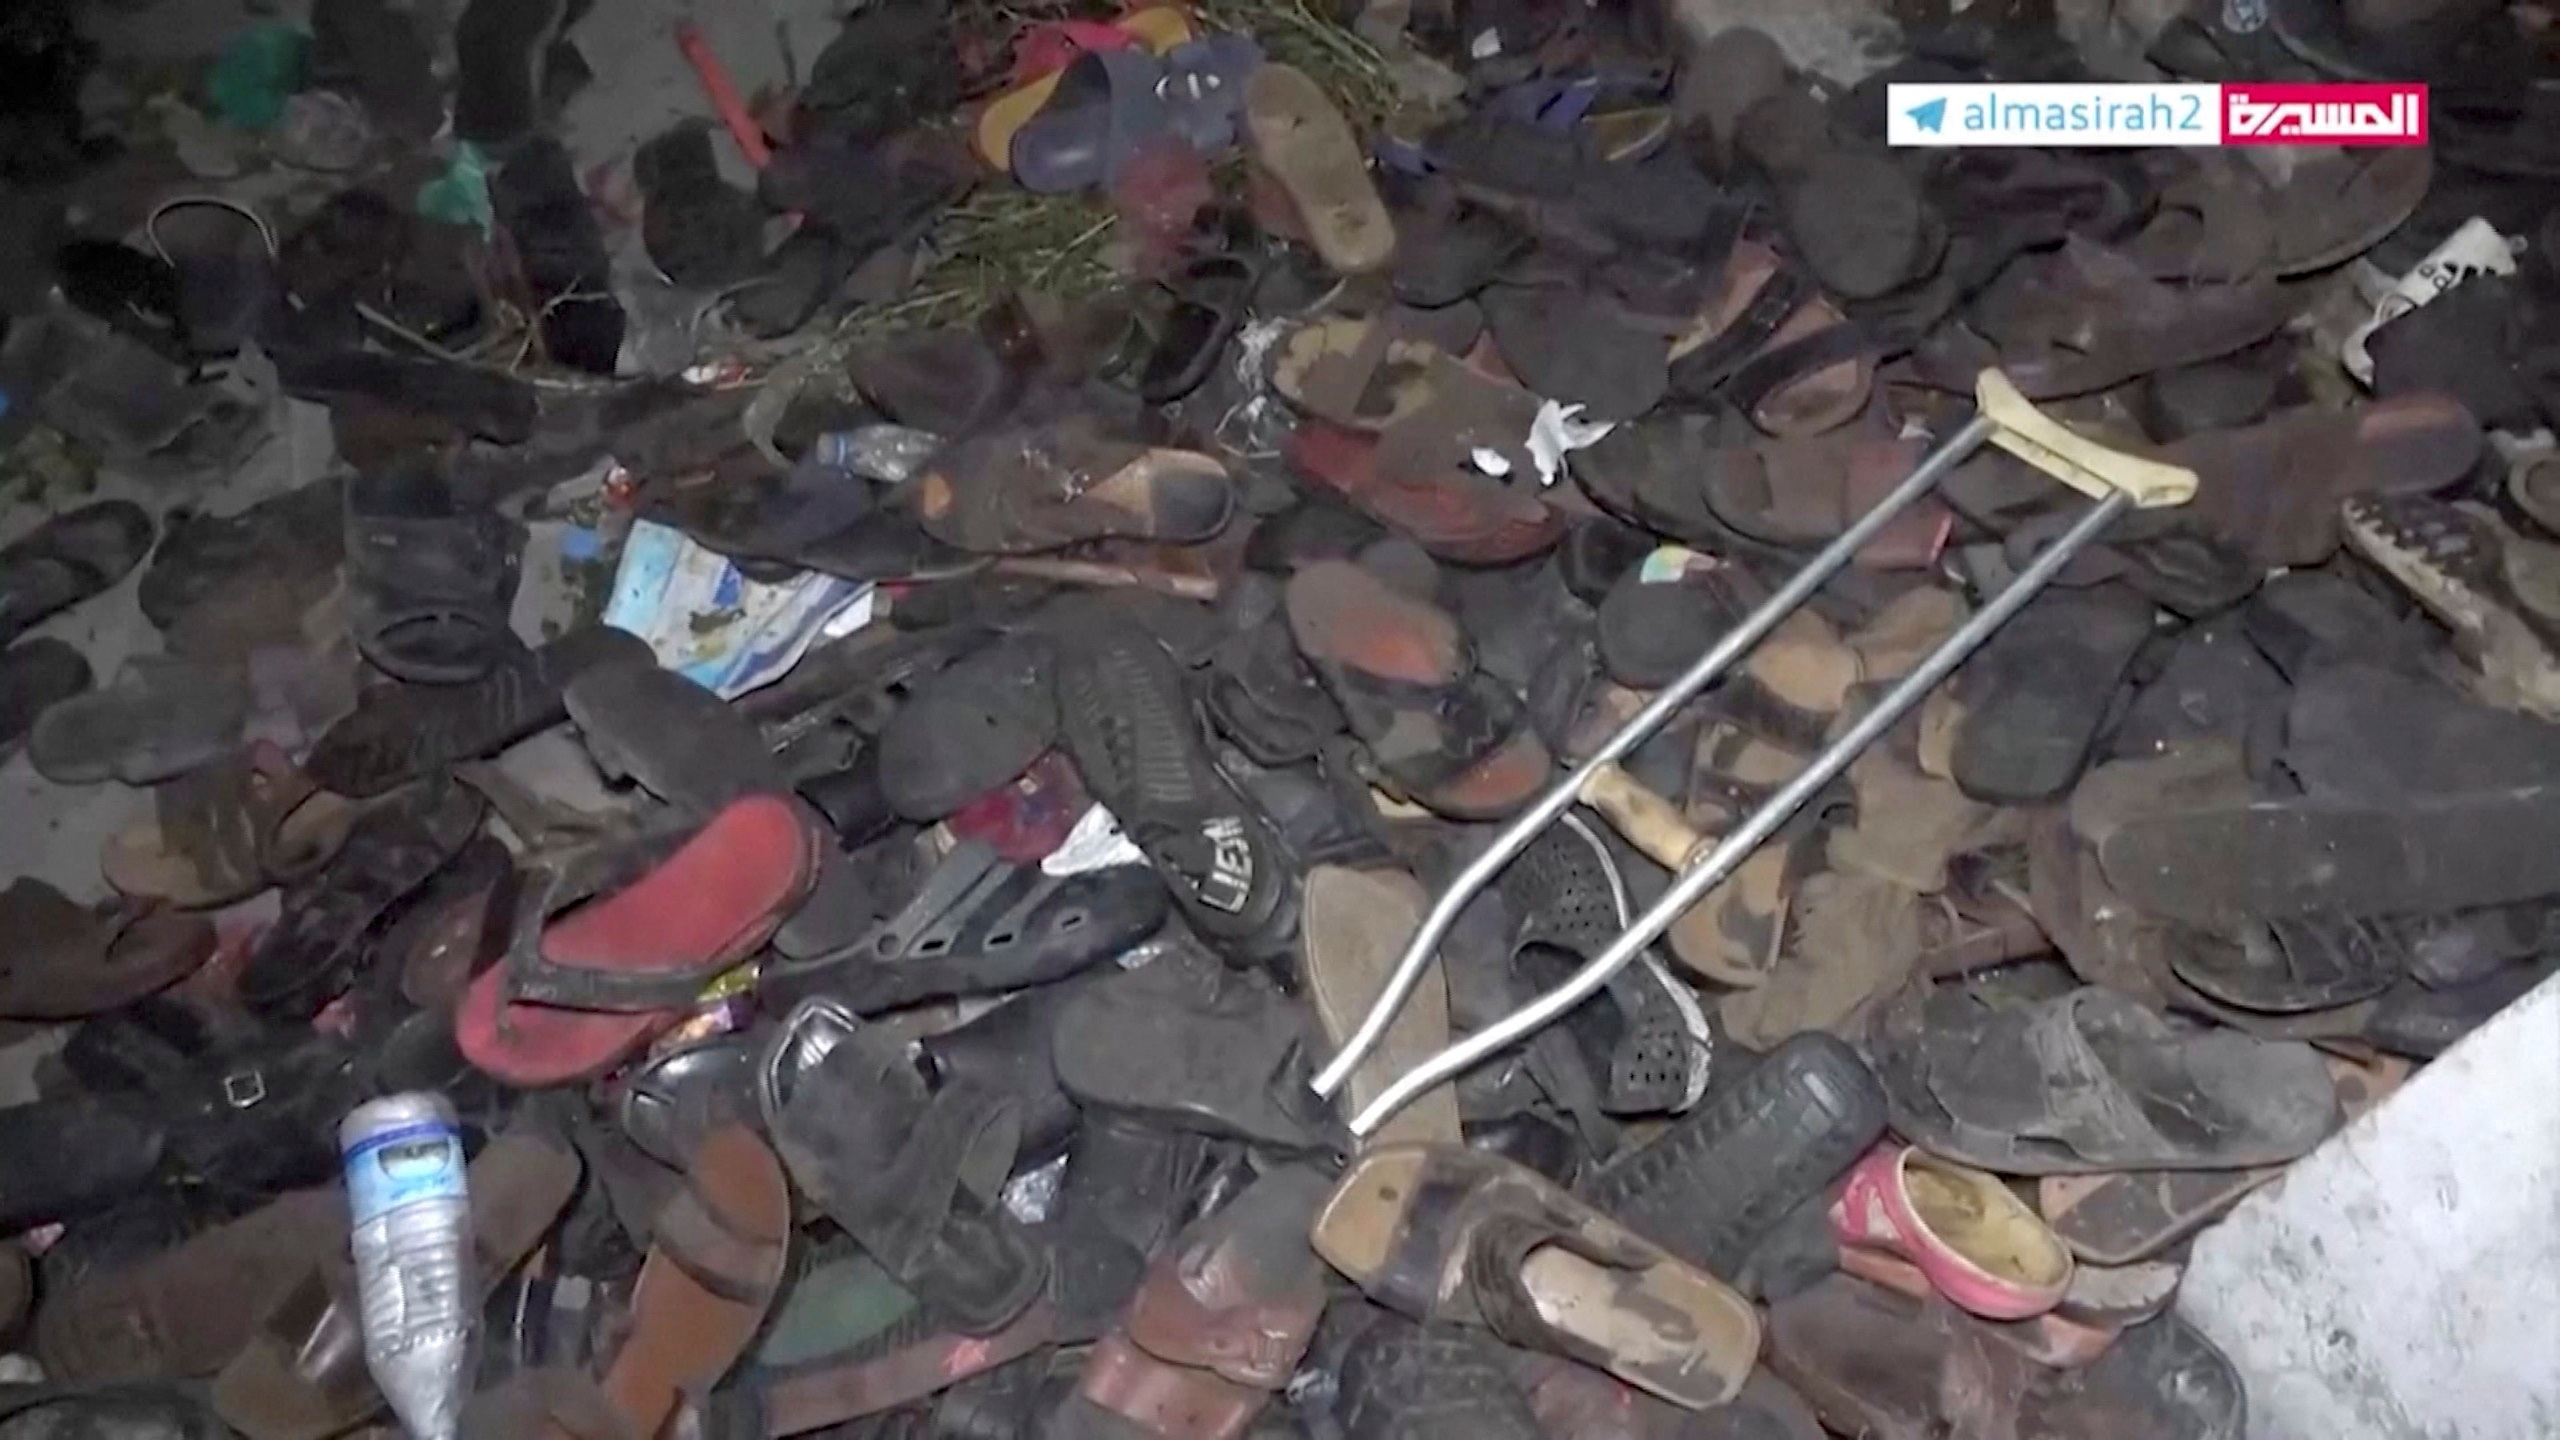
(1773, 369)
(1706, 370)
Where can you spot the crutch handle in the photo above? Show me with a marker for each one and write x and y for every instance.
(2018, 427)
(1649, 822)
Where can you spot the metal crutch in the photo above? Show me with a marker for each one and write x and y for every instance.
(2002, 417)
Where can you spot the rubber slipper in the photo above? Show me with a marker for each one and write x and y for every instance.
(1448, 1234)
(1573, 347)
(680, 916)
(1714, 1185)
(887, 1162)
(2472, 343)
(2194, 844)
(2036, 696)
(679, 741)
(1356, 925)
(1454, 513)
(1302, 142)
(1405, 675)
(1038, 70)
(1849, 940)
(904, 1366)
(2089, 319)
(2455, 563)
(2214, 687)
(2092, 1081)
(398, 733)
(2130, 1216)
(969, 729)
(1773, 348)
(1860, 223)
(1211, 297)
(186, 1310)
(161, 716)
(1364, 372)
(227, 831)
(1219, 1324)
(318, 945)
(1447, 249)
(977, 925)
(34, 678)
(65, 960)
(2292, 965)
(1192, 1048)
(1429, 1382)
(301, 1376)
(1022, 491)
(2306, 622)
(1976, 1243)
(717, 1255)
(217, 583)
(1106, 108)
(67, 559)
(2276, 486)
(429, 583)
(651, 943)
(1808, 491)
(1136, 738)
(1651, 1041)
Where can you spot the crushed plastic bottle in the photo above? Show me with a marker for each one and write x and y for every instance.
(412, 1214)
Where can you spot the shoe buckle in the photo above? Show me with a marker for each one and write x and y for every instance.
(244, 1088)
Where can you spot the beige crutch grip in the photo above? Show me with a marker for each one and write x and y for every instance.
(1649, 822)
(2072, 458)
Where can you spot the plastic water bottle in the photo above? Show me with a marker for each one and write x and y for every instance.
(412, 1214)
(887, 453)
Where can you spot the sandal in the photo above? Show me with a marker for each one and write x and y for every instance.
(1302, 142)
(1973, 1241)
(1447, 1234)
(1438, 727)
(2460, 565)
(2091, 1082)
(68, 559)
(429, 583)
(319, 943)
(227, 831)
(34, 678)
(1771, 346)
(162, 716)
(893, 1165)
(1016, 492)
(1454, 513)
(1357, 924)
(63, 960)
(398, 733)
(979, 926)
(1191, 1046)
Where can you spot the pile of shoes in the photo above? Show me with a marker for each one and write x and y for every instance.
(926, 1042)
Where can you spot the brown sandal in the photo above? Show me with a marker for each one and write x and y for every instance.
(227, 831)
(1776, 347)
(61, 961)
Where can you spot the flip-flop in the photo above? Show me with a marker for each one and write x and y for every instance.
(1020, 491)
(60, 960)
(2091, 1082)
(1692, 478)
(302, 1376)
(1443, 1233)
(161, 716)
(1403, 1381)
(894, 1166)
(1355, 927)
(319, 942)
(1439, 728)
(1302, 142)
(227, 831)
(652, 942)
(1719, 1180)
(680, 915)
(1575, 347)
(970, 728)
(2132, 1215)
(717, 1255)
(677, 740)
(67, 559)
(1973, 1241)
(1157, 28)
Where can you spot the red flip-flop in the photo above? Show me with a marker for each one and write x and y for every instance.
(631, 962)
